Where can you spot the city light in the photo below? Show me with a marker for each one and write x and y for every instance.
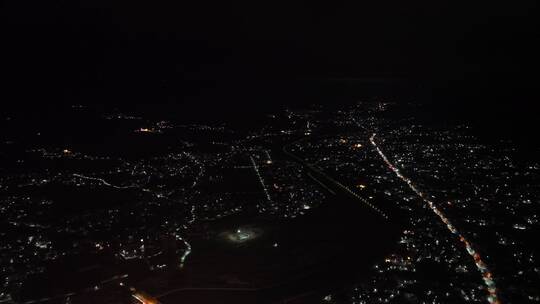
(480, 265)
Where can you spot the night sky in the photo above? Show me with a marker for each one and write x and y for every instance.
(232, 53)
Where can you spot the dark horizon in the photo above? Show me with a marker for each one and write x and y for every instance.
(71, 49)
(472, 61)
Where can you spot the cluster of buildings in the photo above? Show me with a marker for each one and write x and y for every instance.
(469, 209)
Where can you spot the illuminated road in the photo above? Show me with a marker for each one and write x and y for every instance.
(337, 184)
(183, 240)
(480, 265)
(201, 169)
(102, 181)
(260, 178)
(268, 158)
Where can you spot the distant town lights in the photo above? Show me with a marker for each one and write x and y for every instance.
(145, 130)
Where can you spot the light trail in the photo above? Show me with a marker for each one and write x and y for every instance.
(269, 159)
(260, 179)
(335, 182)
(186, 253)
(363, 200)
(143, 297)
(201, 169)
(480, 265)
(186, 243)
(178, 237)
(193, 218)
(102, 181)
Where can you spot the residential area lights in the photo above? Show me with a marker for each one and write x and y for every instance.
(480, 265)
